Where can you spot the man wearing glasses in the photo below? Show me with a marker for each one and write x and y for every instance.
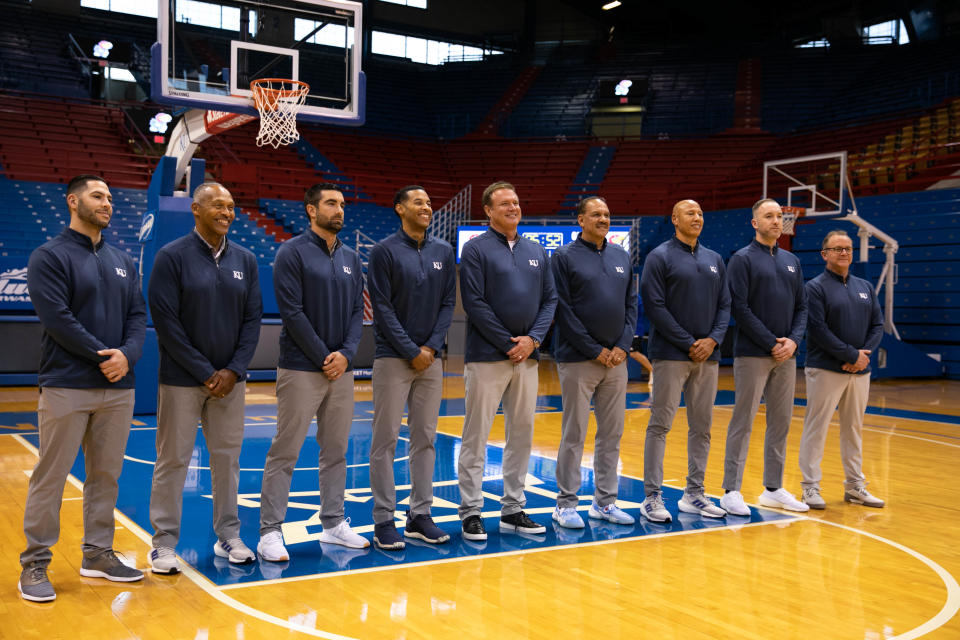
(844, 326)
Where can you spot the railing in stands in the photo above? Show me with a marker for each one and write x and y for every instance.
(137, 138)
(455, 212)
(363, 245)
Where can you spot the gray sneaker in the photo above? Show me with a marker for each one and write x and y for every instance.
(812, 498)
(164, 560)
(106, 564)
(860, 495)
(654, 510)
(34, 584)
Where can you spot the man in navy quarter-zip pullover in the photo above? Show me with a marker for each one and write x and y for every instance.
(318, 282)
(87, 297)
(685, 296)
(507, 291)
(596, 317)
(769, 305)
(204, 296)
(844, 326)
(413, 290)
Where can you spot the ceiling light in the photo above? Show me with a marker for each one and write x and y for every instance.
(611, 5)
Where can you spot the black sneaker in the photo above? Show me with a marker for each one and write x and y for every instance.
(422, 526)
(106, 564)
(519, 523)
(385, 536)
(34, 584)
(473, 528)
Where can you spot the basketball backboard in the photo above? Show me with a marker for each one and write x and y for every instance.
(815, 183)
(208, 53)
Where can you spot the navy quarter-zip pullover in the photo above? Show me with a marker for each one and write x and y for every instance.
(88, 299)
(320, 296)
(506, 293)
(685, 297)
(596, 299)
(413, 288)
(767, 298)
(843, 316)
(207, 313)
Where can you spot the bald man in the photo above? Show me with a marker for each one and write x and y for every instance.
(685, 297)
(204, 296)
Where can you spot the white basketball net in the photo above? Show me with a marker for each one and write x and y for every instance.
(278, 101)
(790, 218)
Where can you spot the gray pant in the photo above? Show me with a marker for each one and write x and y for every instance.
(579, 382)
(697, 382)
(99, 421)
(396, 384)
(826, 390)
(301, 396)
(487, 383)
(775, 382)
(178, 410)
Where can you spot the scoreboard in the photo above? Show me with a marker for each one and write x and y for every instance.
(551, 237)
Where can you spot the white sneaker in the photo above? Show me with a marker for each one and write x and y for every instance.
(234, 550)
(271, 547)
(343, 535)
(164, 560)
(781, 499)
(699, 503)
(654, 510)
(732, 502)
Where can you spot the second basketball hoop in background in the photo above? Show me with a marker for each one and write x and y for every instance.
(278, 100)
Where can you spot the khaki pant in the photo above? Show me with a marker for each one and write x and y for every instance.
(826, 392)
(178, 411)
(301, 396)
(579, 383)
(98, 420)
(396, 384)
(487, 383)
(697, 383)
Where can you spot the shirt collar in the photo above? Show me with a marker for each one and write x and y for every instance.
(323, 243)
(592, 246)
(216, 252)
(82, 238)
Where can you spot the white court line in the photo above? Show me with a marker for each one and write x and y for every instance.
(950, 607)
(199, 579)
(505, 554)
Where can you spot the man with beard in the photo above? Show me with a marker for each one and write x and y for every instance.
(204, 296)
(685, 296)
(596, 316)
(770, 309)
(319, 287)
(413, 290)
(87, 296)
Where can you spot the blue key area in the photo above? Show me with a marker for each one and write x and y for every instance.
(302, 527)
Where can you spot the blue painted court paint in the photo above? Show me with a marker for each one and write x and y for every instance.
(302, 527)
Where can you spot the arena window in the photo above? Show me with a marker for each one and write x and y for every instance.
(425, 51)
(416, 4)
(889, 32)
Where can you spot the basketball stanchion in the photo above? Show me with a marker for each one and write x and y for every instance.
(278, 100)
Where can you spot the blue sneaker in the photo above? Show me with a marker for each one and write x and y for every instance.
(567, 517)
(610, 513)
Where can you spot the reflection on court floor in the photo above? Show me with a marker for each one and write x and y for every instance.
(302, 527)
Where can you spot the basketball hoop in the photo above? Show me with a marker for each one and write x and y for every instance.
(790, 215)
(278, 100)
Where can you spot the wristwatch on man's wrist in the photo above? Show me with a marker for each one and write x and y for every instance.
(536, 343)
